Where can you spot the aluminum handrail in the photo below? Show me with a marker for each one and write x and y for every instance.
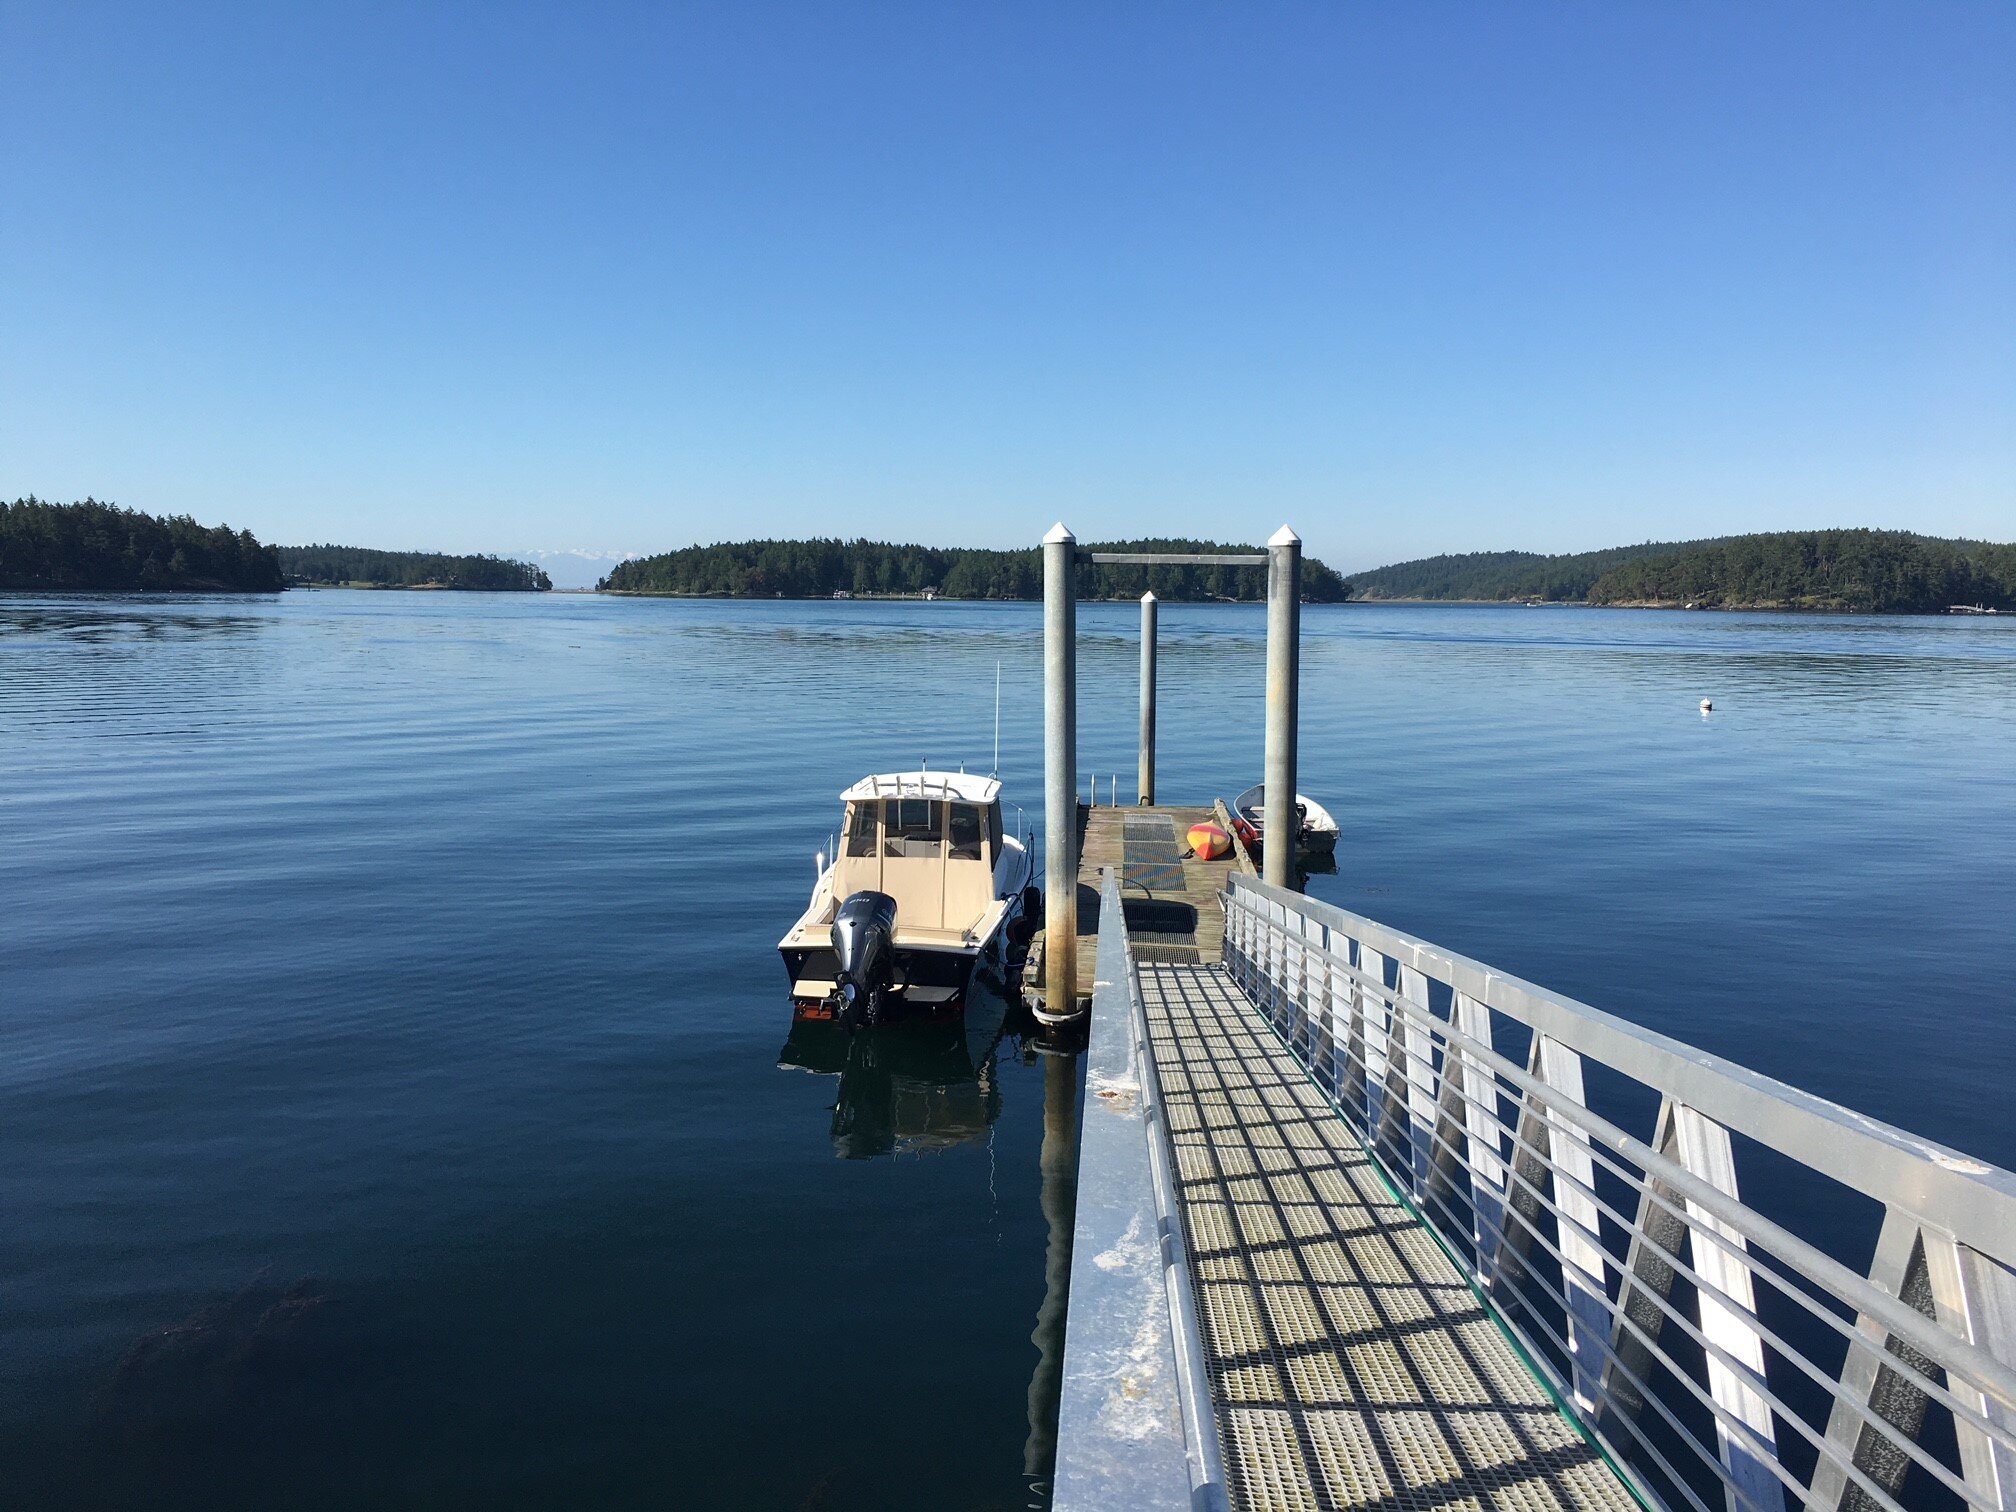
(1789, 1247)
(1975, 1201)
(1513, 1169)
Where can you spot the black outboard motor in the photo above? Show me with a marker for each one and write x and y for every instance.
(864, 935)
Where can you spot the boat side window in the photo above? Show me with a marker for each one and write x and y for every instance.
(861, 829)
(965, 832)
(994, 830)
(912, 827)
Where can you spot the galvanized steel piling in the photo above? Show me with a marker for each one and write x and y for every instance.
(1060, 772)
(1284, 656)
(1283, 562)
(1145, 779)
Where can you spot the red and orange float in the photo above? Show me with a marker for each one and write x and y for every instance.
(1208, 842)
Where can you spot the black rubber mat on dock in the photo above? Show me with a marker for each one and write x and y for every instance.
(1161, 923)
(1153, 856)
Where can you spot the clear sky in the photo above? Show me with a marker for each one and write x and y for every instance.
(1415, 277)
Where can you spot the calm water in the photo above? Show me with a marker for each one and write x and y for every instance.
(391, 1108)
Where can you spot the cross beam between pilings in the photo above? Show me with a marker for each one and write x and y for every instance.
(1283, 561)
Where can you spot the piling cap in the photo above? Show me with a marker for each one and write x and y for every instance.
(1284, 537)
(1149, 597)
(1058, 532)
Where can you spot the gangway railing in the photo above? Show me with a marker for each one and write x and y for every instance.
(1720, 1356)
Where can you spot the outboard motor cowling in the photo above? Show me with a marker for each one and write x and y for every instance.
(864, 944)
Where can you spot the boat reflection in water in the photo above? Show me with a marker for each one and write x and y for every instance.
(910, 1086)
(929, 1083)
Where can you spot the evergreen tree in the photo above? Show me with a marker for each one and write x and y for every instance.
(89, 546)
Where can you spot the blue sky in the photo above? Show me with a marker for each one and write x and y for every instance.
(1413, 277)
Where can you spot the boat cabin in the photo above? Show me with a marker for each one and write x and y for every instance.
(931, 842)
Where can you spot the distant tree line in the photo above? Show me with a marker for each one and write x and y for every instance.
(333, 566)
(1504, 574)
(821, 568)
(89, 546)
(1870, 571)
(1867, 571)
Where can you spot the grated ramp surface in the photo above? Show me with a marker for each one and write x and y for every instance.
(1350, 1363)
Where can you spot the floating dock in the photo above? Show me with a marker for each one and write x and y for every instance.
(1168, 895)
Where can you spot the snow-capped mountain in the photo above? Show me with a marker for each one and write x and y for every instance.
(578, 567)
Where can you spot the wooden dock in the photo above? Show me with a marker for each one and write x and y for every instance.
(1169, 897)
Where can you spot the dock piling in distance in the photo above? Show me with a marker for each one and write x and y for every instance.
(1284, 658)
(1145, 777)
(1060, 772)
(1283, 561)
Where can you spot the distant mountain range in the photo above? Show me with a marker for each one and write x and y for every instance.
(578, 567)
(1864, 571)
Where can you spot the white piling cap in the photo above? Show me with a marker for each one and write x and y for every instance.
(1149, 597)
(1284, 537)
(1058, 532)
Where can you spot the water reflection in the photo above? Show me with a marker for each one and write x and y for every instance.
(911, 1086)
(129, 617)
(1059, 1166)
(929, 1084)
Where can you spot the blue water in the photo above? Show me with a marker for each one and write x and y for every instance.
(391, 1110)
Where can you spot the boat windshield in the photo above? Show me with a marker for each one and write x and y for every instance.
(861, 828)
(912, 827)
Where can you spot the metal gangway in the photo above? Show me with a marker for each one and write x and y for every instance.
(1363, 1222)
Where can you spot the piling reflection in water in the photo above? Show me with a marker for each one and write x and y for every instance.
(924, 1084)
(1059, 1166)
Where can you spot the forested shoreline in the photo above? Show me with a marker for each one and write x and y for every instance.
(360, 566)
(88, 546)
(1496, 575)
(93, 546)
(1859, 571)
(822, 568)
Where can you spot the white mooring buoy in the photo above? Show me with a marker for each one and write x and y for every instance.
(1707, 705)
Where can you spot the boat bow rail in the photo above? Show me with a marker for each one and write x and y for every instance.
(1721, 1358)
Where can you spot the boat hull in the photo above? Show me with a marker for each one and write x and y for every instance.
(925, 978)
(1318, 836)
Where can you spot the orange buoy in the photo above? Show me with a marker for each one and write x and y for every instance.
(1209, 841)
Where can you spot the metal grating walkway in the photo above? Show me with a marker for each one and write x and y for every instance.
(1350, 1363)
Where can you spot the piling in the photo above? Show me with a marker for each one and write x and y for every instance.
(1284, 655)
(1145, 779)
(1060, 772)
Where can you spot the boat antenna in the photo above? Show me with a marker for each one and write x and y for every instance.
(997, 719)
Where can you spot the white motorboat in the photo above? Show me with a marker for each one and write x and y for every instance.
(1318, 835)
(926, 887)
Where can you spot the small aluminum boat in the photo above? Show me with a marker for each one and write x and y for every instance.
(1319, 830)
